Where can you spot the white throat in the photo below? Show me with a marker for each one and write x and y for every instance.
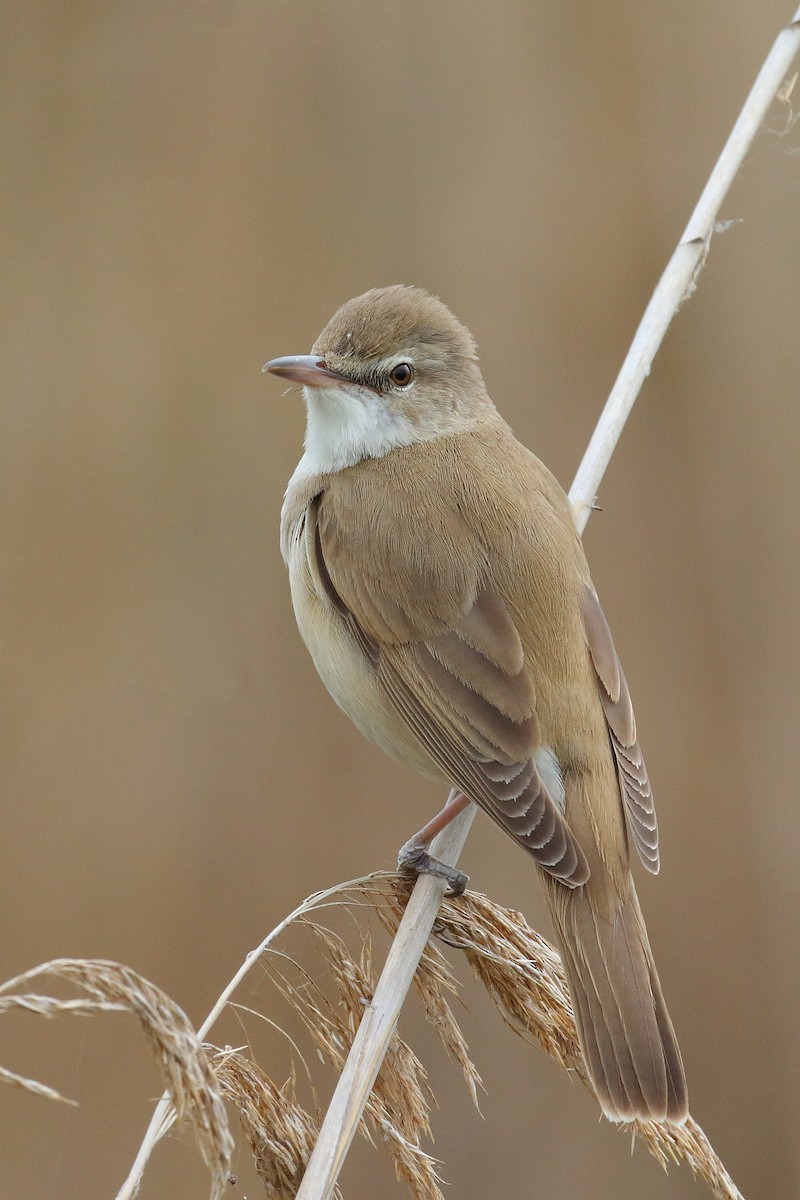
(343, 429)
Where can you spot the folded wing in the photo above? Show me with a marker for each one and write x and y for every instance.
(450, 660)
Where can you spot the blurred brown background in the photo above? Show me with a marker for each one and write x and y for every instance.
(193, 188)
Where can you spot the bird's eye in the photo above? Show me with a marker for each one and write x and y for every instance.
(402, 374)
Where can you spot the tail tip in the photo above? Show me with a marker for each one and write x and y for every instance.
(675, 1112)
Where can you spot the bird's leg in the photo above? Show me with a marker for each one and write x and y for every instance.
(414, 857)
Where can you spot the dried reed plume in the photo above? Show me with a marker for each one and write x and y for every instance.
(399, 1106)
(183, 1064)
(281, 1133)
(520, 971)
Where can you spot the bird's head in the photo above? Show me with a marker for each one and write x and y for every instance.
(392, 367)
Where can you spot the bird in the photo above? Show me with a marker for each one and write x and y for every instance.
(440, 585)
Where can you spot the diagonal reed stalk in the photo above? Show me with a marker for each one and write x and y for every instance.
(380, 1017)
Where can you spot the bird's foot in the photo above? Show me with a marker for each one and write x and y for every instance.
(414, 859)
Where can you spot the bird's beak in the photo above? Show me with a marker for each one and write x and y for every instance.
(302, 368)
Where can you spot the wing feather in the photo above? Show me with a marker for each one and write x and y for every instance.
(634, 783)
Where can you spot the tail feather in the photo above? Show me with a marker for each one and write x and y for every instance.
(625, 1031)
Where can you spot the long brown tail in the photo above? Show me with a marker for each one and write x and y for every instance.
(627, 1038)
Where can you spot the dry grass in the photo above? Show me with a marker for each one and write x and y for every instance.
(183, 1063)
(281, 1133)
(520, 971)
(398, 1109)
